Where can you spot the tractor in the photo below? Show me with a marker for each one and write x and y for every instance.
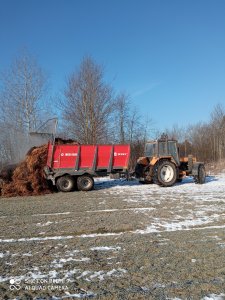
(162, 165)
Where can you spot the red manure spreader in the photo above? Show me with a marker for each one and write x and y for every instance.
(73, 166)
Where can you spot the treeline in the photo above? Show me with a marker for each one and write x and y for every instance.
(89, 111)
(204, 140)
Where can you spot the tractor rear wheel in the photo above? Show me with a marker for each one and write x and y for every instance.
(166, 173)
(200, 178)
(85, 183)
(65, 183)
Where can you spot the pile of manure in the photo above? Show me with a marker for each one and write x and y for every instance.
(27, 178)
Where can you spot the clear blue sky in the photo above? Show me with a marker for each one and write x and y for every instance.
(169, 55)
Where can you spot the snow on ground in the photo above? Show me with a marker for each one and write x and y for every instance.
(45, 224)
(214, 297)
(203, 198)
(204, 211)
(2, 255)
(185, 206)
(135, 209)
(53, 214)
(37, 239)
(101, 275)
(105, 248)
(68, 295)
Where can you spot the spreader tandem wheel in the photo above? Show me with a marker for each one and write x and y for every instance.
(85, 183)
(65, 183)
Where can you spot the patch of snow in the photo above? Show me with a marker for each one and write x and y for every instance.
(16, 278)
(83, 274)
(27, 254)
(176, 227)
(30, 275)
(53, 274)
(214, 297)
(4, 254)
(105, 248)
(136, 209)
(52, 214)
(56, 265)
(45, 224)
(39, 239)
(15, 254)
(100, 275)
(70, 273)
(103, 179)
(64, 260)
(84, 295)
(59, 263)
(222, 245)
(100, 234)
(36, 239)
(158, 285)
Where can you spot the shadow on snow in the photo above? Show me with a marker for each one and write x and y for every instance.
(109, 183)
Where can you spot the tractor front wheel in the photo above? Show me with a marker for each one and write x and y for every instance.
(166, 173)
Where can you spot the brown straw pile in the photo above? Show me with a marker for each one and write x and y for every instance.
(28, 177)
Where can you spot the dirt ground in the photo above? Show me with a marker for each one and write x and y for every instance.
(122, 240)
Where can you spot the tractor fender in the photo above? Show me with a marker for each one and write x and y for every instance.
(157, 160)
(195, 168)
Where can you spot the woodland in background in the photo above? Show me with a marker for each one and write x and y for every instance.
(204, 140)
(89, 111)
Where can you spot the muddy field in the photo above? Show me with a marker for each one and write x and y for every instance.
(122, 240)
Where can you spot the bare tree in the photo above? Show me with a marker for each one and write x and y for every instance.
(217, 125)
(24, 85)
(121, 118)
(139, 131)
(88, 104)
(176, 132)
(22, 106)
(208, 139)
(139, 127)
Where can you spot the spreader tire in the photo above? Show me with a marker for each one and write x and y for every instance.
(166, 173)
(85, 183)
(65, 183)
